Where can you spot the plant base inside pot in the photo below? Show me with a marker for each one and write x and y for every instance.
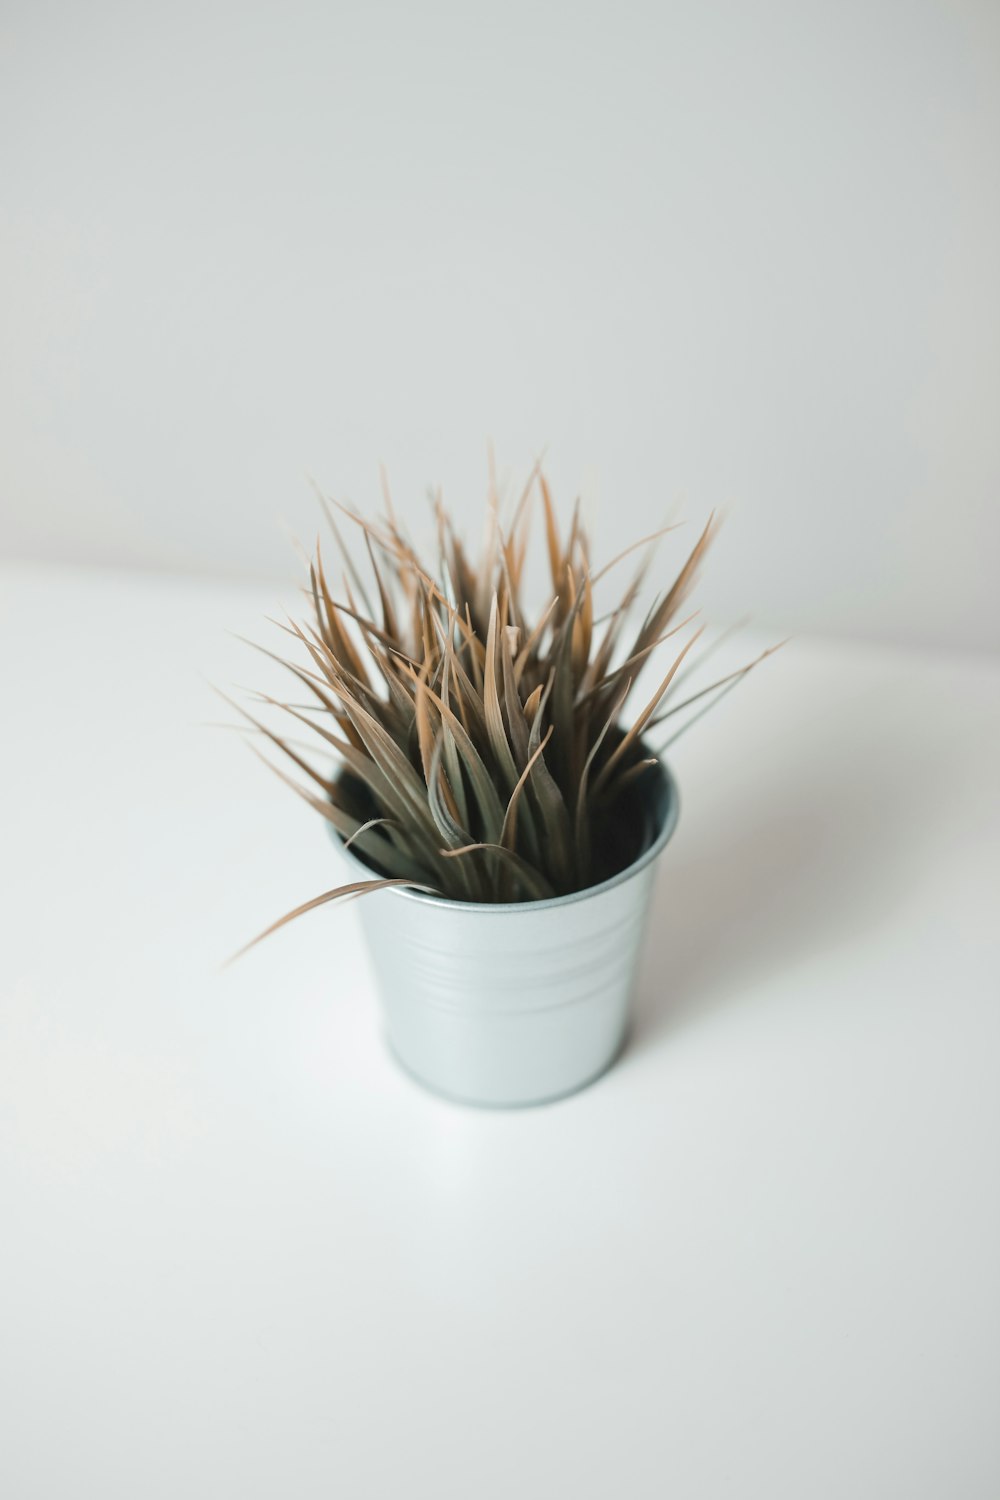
(522, 1002)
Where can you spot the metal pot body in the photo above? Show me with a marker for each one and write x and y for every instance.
(514, 1004)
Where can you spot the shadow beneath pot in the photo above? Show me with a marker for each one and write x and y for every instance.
(803, 850)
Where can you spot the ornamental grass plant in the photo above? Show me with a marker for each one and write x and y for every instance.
(465, 745)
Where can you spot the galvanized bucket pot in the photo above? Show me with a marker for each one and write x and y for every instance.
(516, 1003)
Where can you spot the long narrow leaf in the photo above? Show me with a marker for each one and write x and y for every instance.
(355, 888)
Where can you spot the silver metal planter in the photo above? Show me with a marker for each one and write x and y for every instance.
(518, 1003)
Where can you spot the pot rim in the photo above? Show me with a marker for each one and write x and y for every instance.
(513, 908)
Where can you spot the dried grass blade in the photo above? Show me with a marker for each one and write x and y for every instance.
(551, 806)
(508, 834)
(644, 541)
(734, 683)
(632, 664)
(630, 738)
(664, 612)
(341, 642)
(394, 766)
(367, 827)
(517, 723)
(556, 562)
(532, 880)
(491, 703)
(277, 740)
(425, 731)
(710, 650)
(452, 764)
(531, 706)
(344, 552)
(720, 682)
(355, 888)
(485, 793)
(468, 883)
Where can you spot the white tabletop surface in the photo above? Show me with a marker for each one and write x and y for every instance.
(242, 1255)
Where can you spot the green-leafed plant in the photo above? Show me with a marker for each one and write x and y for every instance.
(480, 749)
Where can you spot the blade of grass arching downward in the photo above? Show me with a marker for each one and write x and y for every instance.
(533, 882)
(356, 888)
(367, 828)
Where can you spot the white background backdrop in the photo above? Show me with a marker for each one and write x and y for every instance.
(740, 254)
(737, 254)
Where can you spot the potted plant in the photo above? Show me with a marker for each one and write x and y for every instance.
(493, 808)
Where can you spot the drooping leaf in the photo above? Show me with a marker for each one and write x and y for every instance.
(535, 884)
(355, 888)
